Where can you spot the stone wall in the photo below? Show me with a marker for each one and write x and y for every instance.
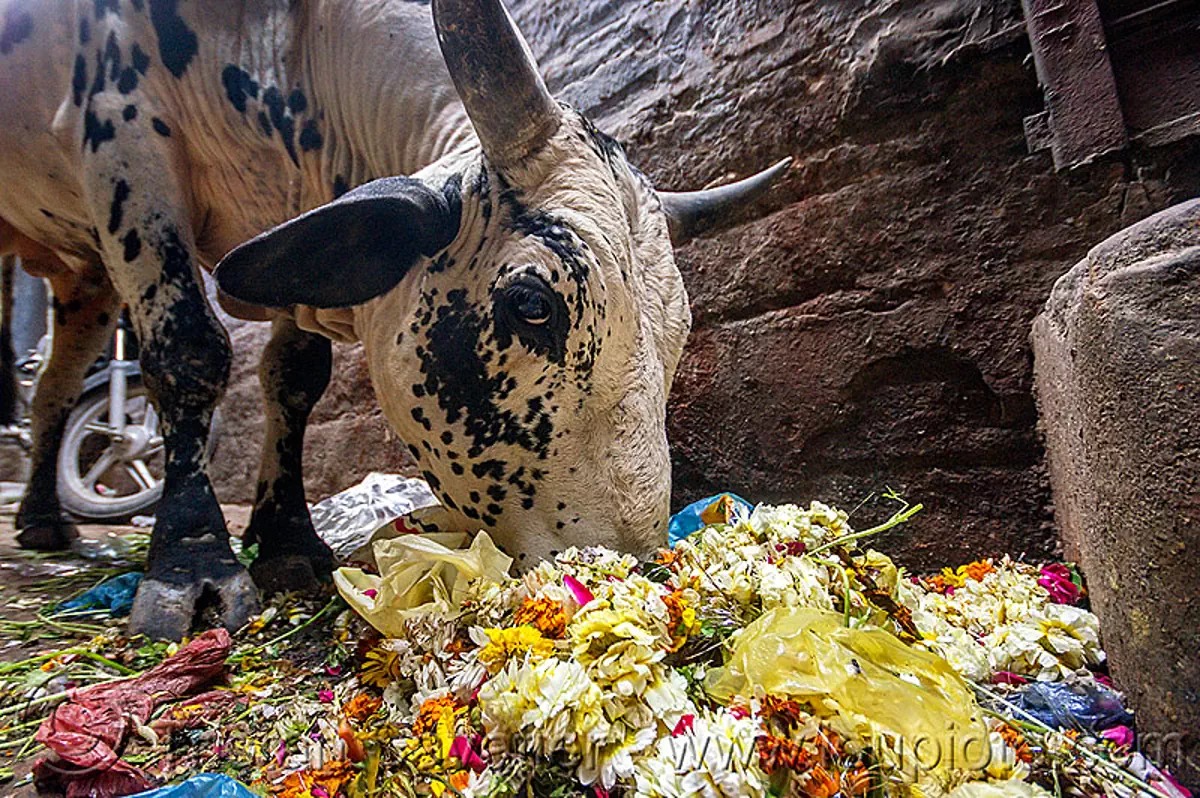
(870, 330)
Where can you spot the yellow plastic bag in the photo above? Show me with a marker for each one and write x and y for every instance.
(902, 701)
(419, 574)
(1010, 788)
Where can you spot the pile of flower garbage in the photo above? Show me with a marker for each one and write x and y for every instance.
(770, 652)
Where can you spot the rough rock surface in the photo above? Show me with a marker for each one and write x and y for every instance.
(1117, 354)
(870, 330)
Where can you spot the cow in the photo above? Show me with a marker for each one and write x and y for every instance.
(508, 273)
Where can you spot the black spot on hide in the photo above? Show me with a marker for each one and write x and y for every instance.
(177, 43)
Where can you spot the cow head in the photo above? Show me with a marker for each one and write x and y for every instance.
(519, 305)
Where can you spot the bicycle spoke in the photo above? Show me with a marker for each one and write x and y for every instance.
(102, 464)
(141, 474)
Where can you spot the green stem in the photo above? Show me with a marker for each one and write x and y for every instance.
(332, 602)
(116, 666)
(897, 518)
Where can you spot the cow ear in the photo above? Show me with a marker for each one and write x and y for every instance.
(347, 252)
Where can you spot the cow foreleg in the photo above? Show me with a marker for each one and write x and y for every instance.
(139, 203)
(85, 312)
(294, 372)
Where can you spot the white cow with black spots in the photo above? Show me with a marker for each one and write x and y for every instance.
(516, 295)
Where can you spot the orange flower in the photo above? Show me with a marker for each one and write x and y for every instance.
(665, 557)
(544, 614)
(330, 779)
(777, 753)
(1016, 741)
(361, 707)
(681, 620)
(978, 569)
(820, 784)
(431, 713)
(460, 780)
(787, 712)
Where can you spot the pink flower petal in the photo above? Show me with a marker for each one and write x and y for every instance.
(1008, 677)
(1121, 736)
(462, 750)
(334, 670)
(325, 696)
(371, 592)
(684, 725)
(280, 753)
(582, 594)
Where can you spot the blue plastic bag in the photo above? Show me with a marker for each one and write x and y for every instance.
(203, 785)
(688, 520)
(115, 595)
(1086, 707)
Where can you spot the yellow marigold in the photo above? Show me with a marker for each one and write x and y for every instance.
(381, 667)
(682, 619)
(361, 707)
(518, 641)
(952, 578)
(544, 614)
(431, 713)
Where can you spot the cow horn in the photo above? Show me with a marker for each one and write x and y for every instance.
(690, 213)
(496, 78)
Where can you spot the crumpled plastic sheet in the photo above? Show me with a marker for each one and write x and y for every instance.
(719, 509)
(348, 521)
(418, 574)
(86, 732)
(202, 785)
(115, 595)
(879, 685)
(1086, 706)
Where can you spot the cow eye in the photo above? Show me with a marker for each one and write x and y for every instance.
(529, 300)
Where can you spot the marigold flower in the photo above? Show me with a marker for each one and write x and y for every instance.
(329, 779)
(431, 713)
(786, 712)
(682, 621)
(504, 644)
(380, 667)
(544, 614)
(1016, 741)
(780, 753)
(361, 707)
(977, 570)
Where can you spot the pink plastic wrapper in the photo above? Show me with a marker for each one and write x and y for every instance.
(87, 731)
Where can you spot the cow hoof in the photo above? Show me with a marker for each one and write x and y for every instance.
(167, 610)
(302, 573)
(51, 536)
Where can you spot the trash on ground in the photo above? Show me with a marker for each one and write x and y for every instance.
(115, 595)
(769, 651)
(85, 732)
(203, 785)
